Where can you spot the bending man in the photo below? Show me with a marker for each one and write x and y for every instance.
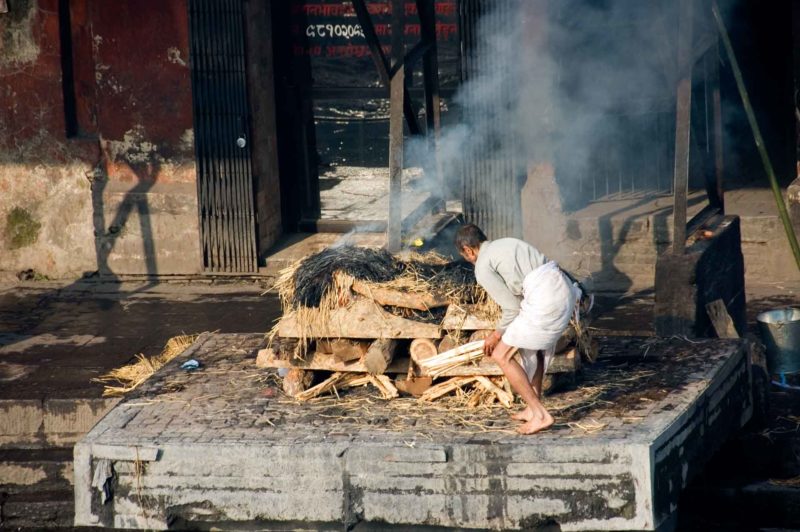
(537, 300)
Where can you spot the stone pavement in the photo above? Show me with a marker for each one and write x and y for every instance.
(222, 444)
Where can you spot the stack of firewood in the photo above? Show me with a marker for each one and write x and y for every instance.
(361, 343)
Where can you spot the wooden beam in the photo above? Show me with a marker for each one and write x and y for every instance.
(382, 63)
(430, 77)
(266, 359)
(682, 127)
(396, 105)
(396, 298)
(363, 319)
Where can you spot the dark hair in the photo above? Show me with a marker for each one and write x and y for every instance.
(470, 236)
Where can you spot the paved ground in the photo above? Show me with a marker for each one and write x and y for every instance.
(56, 337)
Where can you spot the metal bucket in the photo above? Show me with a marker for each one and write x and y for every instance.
(780, 330)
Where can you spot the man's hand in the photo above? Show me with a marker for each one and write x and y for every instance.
(491, 342)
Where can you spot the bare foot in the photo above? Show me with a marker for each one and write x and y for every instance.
(536, 424)
(523, 415)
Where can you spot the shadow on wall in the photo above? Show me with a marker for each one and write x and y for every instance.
(107, 234)
(614, 230)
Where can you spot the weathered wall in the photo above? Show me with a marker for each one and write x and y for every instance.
(45, 212)
(118, 195)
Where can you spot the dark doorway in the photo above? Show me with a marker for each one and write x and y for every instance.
(333, 111)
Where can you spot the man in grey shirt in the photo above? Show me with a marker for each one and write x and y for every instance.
(537, 301)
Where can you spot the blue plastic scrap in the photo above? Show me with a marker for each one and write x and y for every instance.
(191, 365)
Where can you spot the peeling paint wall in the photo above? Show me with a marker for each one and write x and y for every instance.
(119, 196)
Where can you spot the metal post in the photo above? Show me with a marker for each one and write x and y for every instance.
(682, 127)
(430, 75)
(719, 164)
(397, 97)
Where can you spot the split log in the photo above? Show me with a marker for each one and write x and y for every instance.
(364, 319)
(451, 341)
(297, 381)
(481, 334)
(381, 382)
(380, 355)
(568, 361)
(721, 320)
(265, 358)
(345, 350)
(324, 346)
(445, 387)
(324, 386)
(384, 385)
(286, 348)
(324, 362)
(411, 385)
(396, 298)
(504, 397)
(422, 349)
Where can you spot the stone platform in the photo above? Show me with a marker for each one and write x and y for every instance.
(222, 447)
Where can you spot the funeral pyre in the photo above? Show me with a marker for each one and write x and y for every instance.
(413, 324)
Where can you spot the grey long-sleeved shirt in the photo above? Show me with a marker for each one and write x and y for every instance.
(500, 269)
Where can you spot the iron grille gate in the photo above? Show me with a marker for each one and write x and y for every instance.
(492, 173)
(221, 128)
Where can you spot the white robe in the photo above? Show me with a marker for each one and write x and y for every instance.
(549, 301)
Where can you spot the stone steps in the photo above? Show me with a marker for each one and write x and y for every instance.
(36, 488)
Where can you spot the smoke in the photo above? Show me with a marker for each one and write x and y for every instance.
(585, 85)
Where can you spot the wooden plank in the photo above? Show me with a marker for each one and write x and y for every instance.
(463, 318)
(396, 298)
(396, 103)
(721, 320)
(362, 320)
(324, 362)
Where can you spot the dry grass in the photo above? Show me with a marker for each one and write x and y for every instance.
(129, 377)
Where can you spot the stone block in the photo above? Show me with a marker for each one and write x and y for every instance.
(710, 269)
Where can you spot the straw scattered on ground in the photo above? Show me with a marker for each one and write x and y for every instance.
(129, 377)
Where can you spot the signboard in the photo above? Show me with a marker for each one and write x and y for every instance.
(327, 34)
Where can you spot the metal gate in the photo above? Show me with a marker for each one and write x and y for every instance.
(492, 174)
(221, 129)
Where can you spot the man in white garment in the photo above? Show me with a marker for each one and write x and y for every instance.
(537, 300)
